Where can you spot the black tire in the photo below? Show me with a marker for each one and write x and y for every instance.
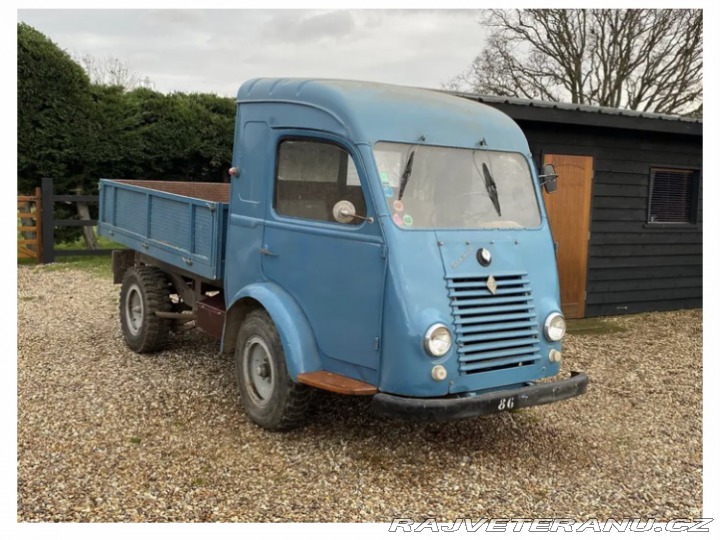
(270, 397)
(144, 291)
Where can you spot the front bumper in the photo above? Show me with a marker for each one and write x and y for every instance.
(491, 402)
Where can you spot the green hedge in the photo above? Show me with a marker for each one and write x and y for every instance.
(77, 132)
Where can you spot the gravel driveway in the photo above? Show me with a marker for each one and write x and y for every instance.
(108, 435)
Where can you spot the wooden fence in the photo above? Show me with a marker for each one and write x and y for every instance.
(37, 224)
(49, 223)
(29, 226)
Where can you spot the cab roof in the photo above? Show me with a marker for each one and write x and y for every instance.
(368, 112)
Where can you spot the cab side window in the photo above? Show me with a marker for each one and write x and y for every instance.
(311, 176)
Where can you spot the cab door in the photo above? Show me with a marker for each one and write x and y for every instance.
(335, 271)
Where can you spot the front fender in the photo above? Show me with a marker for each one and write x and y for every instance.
(296, 335)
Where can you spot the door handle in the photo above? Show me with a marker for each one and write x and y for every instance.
(265, 251)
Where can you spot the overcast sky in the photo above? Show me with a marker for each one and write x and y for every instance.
(216, 50)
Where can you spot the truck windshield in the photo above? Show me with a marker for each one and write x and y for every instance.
(456, 187)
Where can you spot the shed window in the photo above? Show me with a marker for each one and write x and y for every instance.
(673, 196)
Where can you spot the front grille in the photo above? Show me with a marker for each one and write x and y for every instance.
(494, 331)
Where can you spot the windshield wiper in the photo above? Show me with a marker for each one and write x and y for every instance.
(491, 188)
(406, 175)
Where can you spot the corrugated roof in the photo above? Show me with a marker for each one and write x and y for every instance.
(482, 98)
(575, 107)
(550, 111)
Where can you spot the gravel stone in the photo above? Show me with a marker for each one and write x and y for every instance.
(105, 434)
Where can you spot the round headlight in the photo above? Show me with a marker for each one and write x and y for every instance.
(437, 340)
(555, 327)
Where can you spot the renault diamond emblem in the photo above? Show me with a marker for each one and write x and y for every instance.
(491, 284)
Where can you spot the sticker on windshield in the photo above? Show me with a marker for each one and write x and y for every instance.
(384, 178)
(397, 219)
(408, 220)
(389, 192)
(398, 206)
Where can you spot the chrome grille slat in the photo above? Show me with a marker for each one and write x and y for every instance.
(490, 301)
(472, 357)
(471, 282)
(492, 327)
(494, 331)
(499, 318)
(501, 363)
(491, 336)
(500, 344)
(485, 293)
(490, 309)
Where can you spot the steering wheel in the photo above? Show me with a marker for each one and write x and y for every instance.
(467, 213)
(473, 216)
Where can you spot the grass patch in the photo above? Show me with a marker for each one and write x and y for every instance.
(100, 265)
(135, 440)
(593, 327)
(102, 243)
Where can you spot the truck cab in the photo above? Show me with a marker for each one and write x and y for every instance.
(379, 240)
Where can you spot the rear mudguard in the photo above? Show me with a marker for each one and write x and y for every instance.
(296, 335)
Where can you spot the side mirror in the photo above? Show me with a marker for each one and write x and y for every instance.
(549, 178)
(344, 212)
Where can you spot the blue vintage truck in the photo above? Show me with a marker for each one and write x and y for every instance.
(374, 240)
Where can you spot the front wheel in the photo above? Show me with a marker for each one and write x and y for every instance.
(270, 397)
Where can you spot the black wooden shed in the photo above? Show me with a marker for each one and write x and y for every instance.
(627, 215)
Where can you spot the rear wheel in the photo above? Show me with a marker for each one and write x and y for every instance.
(144, 291)
(270, 397)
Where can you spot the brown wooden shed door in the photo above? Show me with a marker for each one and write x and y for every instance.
(569, 213)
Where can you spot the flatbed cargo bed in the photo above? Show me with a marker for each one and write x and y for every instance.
(179, 223)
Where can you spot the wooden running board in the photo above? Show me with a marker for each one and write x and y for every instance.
(337, 383)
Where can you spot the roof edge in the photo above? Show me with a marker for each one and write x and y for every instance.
(573, 113)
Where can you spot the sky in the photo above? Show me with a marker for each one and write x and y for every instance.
(217, 50)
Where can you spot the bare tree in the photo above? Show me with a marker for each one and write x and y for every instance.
(111, 71)
(641, 59)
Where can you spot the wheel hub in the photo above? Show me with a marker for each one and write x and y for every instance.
(263, 371)
(134, 312)
(258, 370)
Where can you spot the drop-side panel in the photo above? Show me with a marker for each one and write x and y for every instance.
(181, 230)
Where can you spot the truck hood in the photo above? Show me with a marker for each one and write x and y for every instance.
(436, 276)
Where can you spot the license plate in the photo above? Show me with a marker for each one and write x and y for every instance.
(506, 403)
